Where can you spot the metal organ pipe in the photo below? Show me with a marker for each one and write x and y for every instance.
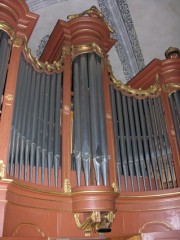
(155, 133)
(128, 143)
(122, 138)
(103, 136)
(19, 120)
(34, 125)
(28, 158)
(145, 141)
(139, 141)
(85, 121)
(89, 119)
(134, 140)
(25, 118)
(77, 121)
(40, 125)
(35, 134)
(57, 135)
(150, 142)
(45, 130)
(95, 124)
(168, 156)
(51, 125)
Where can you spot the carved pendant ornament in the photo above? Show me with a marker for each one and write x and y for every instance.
(97, 221)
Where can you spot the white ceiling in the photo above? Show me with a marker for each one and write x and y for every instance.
(156, 24)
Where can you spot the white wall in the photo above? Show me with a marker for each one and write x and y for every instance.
(157, 24)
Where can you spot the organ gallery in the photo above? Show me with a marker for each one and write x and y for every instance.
(82, 155)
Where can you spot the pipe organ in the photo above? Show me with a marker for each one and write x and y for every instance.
(81, 153)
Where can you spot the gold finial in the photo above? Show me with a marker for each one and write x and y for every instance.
(92, 12)
(2, 169)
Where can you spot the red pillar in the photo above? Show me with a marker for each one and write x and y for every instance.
(66, 120)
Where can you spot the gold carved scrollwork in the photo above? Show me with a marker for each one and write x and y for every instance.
(171, 87)
(67, 186)
(93, 11)
(97, 220)
(2, 169)
(48, 67)
(141, 93)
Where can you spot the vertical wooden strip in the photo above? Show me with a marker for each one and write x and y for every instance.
(66, 120)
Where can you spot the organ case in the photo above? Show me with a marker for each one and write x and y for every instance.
(80, 146)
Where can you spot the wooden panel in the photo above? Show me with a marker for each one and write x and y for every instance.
(172, 235)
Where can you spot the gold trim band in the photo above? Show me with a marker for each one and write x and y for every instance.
(8, 29)
(48, 67)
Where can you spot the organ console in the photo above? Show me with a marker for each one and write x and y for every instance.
(82, 154)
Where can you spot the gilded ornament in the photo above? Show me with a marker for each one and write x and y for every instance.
(8, 29)
(173, 132)
(93, 11)
(171, 87)
(153, 90)
(9, 97)
(108, 115)
(85, 48)
(2, 169)
(45, 66)
(115, 187)
(67, 186)
(95, 221)
(66, 107)
(17, 42)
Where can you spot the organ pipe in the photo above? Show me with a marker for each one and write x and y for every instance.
(35, 134)
(77, 123)
(143, 149)
(89, 118)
